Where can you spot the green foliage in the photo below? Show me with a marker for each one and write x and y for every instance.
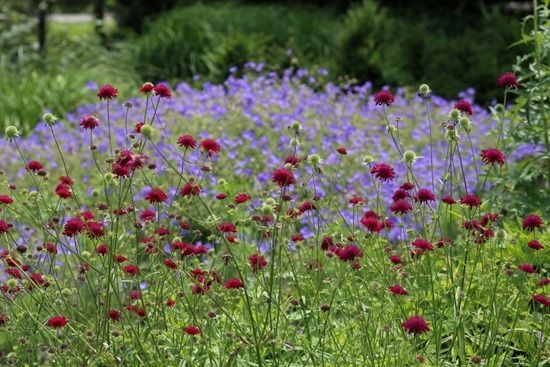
(208, 40)
(56, 80)
(530, 180)
(392, 48)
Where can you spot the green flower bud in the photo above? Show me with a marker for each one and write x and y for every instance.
(294, 143)
(454, 114)
(266, 209)
(465, 123)
(147, 131)
(176, 239)
(296, 126)
(451, 134)
(500, 235)
(12, 132)
(49, 119)
(314, 160)
(95, 193)
(368, 159)
(85, 254)
(391, 128)
(424, 91)
(222, 182)
(12, 283)
(499, 108)
(270, 202)
(409, 156)
(66, 292)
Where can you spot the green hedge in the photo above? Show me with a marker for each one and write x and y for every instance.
(369, 42)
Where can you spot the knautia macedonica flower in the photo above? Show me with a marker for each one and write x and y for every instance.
(107, 92)
(532, 222)
(508, 80)
(384, 97)
(416, 325)
(492, 156)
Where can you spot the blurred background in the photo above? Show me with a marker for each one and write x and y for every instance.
(52, 50)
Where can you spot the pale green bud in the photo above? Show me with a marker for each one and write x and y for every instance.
(49, 119)
(424, 91)
(147, 131)
(294, 143)
(409, 156)
(465, 123)
(368, 159)
(12, 132)
(454, 114)
(314, 160)
(296, 126)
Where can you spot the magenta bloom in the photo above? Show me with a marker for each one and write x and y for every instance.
(464, 107)
(416, 325)
(383, 172)
(107, 91)
(350, 253)
(532, 222)
(398, 290)
(283, 177)
(384, 98)
(233, 283)
(401, 207)
(470, 200)
(492, 156)
(422, 244)
(508, 80)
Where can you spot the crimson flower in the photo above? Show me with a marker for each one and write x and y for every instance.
(416, 325)
(107, 91)
(398, 289)
(470, 200)
(424, 195)
(401, 207)
(492, 156)
(508, 80)
(383, 172)
(243, 197)
(89, 122)
(535, 245)
(233, 283)
(283, 177)
(527, 268)
(532, 222)
(187, 141)
(422, 244)
(57, 322)
(156, 196)
(383, 97)
(464, 107)
(131, 270)
(34, 166)
(542, 299)
(5, 199)
(114, 315)
(192, 330)
(257, 262)
(162, 91)
(210, 147)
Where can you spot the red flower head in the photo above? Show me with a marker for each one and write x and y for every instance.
(383, 97)
(542, 299)
(508, 80)
(73, 227)
(63, 191)
(94, 229)
(492, 156)
(187, 141)
(221, 196)
(243, 197)
(156, 196)
(400, 194)
(424, 195)
(292, 160)
(532, 222)
(448, 200)
(395, 259)
(349, 253)
(383, 172)
(170, 264)
(57, 322)
(147, 88)
(407, 186)
(107, 91)
(470, 200)
(342, 151)
(283, 177)
(190, 189)
(114, 315)
(102, 249)
(192, 330)
(210, 147)
(89, 122)
(416, 325)
(464, 107)
(398, 289)
(5, 199)
(401, 207)
(535, 245)
(233, 283)
(527, 268)
(131, 270)
(422, 244)
(227, 227)
(372, 222)
(257, 262)
(34, 166)
(50, 247)
(162, 91)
